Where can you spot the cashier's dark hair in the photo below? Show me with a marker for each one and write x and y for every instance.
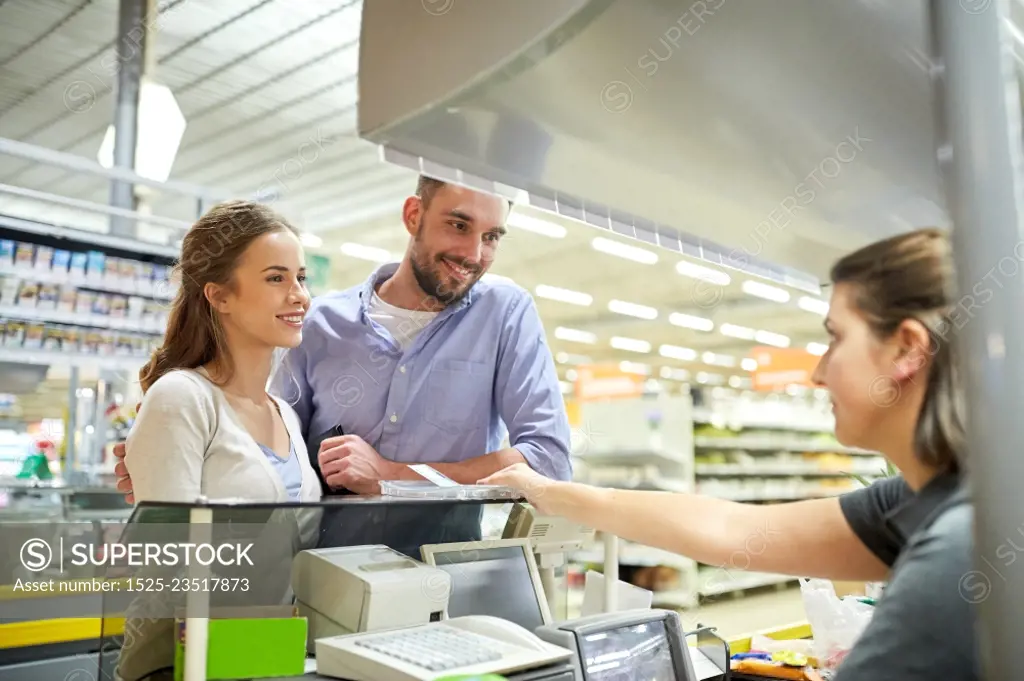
(209, 254)
(911, 277)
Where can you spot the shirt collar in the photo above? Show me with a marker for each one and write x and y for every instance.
(917, 511)
(385, 272)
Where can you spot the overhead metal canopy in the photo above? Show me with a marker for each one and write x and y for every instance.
(790, 136)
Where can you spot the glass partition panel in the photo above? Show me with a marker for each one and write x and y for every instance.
(265, 561)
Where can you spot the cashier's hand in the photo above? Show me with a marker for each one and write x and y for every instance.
(524, 480)
(348, 461)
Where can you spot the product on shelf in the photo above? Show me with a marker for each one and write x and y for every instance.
(68, 299)
(34, 336)
(14, 334)
(101, 305)
(118, 307)
(84, 302)
(78, 264)
(94, 266)
(49, 294)
(28, 294)
(61, 264)
(7, 248)
(9, 290)
(23, 256)
(43, 258)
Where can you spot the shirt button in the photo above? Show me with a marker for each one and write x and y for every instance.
(394, 418)
(402, 368)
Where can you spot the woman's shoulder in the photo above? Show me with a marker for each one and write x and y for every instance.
(187, 383)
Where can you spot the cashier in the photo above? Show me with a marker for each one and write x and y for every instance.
(892, 375)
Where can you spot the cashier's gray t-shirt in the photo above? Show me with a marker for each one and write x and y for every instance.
(923, 626)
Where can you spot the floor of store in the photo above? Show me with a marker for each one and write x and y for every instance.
(754, 611)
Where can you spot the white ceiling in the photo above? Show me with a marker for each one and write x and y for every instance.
(269, 92)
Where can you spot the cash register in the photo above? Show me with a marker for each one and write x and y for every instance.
(495, 620)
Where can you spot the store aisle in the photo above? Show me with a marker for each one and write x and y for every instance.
(747, 614)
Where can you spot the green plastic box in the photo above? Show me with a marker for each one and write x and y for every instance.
(248, 643)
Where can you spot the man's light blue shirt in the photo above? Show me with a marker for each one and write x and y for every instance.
(480, 369)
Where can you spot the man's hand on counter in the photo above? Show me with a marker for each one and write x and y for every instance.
(348, 461)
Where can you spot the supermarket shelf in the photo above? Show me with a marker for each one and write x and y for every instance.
(738, 470)
(679, 598)
(708, 417)
(715, 582)
(157, 290)
(644, 482)
(94, 238)
(43, 357)
(34, 314)
(634, 555)
(768, 444)
(637, 457)
(795, 495)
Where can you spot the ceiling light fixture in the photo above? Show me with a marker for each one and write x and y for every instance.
(617, 248)
(737, 331)
(689, 321)
(769, 338)
(817, 348)
(633, 309)
(689, 269)
(564, 295)
(575, 335)
(536, 225)
(676, 352)
(718, 360)
(812, 305)
(675, 374)
(749, 364)
(630, 344)
(773, 293)
(634, 368)
(371, 253)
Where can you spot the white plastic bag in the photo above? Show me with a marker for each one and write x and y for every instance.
(836, 623)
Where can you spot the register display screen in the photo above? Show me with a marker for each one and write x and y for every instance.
(638, 652)
(492, 581)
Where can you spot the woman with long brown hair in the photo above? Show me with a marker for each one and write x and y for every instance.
(891, 371)
(207, 425)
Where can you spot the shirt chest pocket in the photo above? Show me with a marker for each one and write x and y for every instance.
(459, 395)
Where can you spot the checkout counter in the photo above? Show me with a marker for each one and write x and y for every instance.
(301, 606)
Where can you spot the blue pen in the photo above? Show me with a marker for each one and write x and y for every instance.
(753, 656)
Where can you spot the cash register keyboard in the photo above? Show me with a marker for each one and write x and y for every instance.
(435, 648)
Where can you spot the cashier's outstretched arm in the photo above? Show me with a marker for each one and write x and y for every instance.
(805, 538)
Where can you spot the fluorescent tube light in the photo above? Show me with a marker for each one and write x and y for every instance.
(749, 364)
(634, 368)
(813, 305)
(773, 293)
(537, 225)
(817, 348)
(676, 352)
(673, 374)
(633, 310)
(575, 335)
(689, 269)
(617, 248)
(371, 253)
(564, 295)
(689, 321)
(718, 360)
(769, 338)
(630, 344)
(736, 331)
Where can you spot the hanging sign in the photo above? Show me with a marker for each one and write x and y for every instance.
(781, 367)
(606, 382)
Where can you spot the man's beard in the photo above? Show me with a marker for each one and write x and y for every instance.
(433, 283)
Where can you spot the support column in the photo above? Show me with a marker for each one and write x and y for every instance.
(980, 118)
(133, 53)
